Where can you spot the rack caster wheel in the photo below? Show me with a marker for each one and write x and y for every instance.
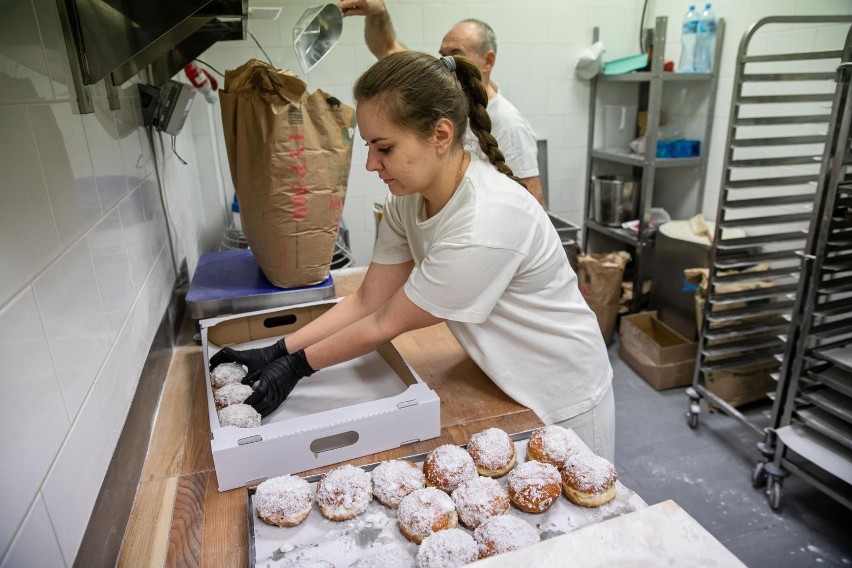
(692, 419)
(758, 476)
(694, 408)
(773, 494)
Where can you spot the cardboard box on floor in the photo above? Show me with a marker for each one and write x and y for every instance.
(666, 359)
(289, 442)
(741, 385)
(659, 354)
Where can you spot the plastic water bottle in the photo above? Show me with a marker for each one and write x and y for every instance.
(688, 37)
(705, 47)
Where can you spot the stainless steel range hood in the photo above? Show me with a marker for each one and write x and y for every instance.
(113, 40)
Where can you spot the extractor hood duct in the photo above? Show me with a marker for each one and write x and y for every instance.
(116, 39)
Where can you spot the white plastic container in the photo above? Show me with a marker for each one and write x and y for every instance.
(369, 405)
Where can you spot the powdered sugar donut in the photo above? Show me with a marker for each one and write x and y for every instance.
(344, 492)
(504, 533)
(452, 547)
(448, 465)
(588, 480)
(239, 415)
(553, 444)
(234, 393)
(492, 451)
(227, 374)
(394, 479)
(425, 511)
(283, 501)
(534, 486)
(479, 498)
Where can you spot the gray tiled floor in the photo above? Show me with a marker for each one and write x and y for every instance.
(707, 471)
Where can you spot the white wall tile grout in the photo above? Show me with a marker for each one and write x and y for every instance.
(43, 177)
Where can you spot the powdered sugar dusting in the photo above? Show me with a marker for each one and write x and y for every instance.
(448, 465)
(492, 448)
(443, 549)
(345, 490)
(306, 563)
(384, 559)
(239, 415)
(227, 374)
(394, 479)
(589, 473)
(421, 510)
(502, 534)
(479, 498)
(285, 495)
(235, 393)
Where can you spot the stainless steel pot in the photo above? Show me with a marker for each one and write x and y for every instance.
(616, 199)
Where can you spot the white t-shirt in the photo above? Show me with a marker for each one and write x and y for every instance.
(492, 265)
(515, 137)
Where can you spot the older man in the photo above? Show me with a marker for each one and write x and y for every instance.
(474, 39)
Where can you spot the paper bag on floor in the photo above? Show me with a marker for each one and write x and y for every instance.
(289, 153)
(599, 277)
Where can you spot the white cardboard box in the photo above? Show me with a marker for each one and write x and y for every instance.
(371, 404)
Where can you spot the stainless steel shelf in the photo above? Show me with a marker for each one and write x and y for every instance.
(647, 76)
(833, 378)
(832, 402)
(617, 233)
(840, 356)
(828, 425)
(650, 86)
(640, 161)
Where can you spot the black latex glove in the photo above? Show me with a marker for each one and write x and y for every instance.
(254, 359)
(276, 381)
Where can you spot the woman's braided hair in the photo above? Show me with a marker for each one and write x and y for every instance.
(416, 89)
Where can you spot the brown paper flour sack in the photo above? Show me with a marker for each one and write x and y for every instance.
(289, 154)
(599, 277)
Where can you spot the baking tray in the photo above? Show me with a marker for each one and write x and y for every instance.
(376, 529)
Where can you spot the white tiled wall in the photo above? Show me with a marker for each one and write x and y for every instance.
(85, 277)
(85, 266)
(538, 46)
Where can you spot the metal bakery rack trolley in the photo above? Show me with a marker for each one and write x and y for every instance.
(786, 183)
(780, 114)
(812, 432)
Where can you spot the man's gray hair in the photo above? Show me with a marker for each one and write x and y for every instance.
(487, 38)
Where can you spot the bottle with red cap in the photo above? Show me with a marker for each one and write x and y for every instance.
(202, 80)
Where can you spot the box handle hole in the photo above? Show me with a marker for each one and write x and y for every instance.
(280, 321)
(334, 442)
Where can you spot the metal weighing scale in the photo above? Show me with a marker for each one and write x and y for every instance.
(231, 282)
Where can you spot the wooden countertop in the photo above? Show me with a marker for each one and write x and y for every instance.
(180, 518)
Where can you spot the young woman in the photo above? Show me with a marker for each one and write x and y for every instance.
(460, 241)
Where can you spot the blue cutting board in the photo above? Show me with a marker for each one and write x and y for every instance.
(231, 282)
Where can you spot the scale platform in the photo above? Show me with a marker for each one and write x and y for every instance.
(231, 282)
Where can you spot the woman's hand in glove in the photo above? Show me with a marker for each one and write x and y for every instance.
(254, 359)
(276, 381)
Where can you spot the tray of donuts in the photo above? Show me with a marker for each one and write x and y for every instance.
(449, 507)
